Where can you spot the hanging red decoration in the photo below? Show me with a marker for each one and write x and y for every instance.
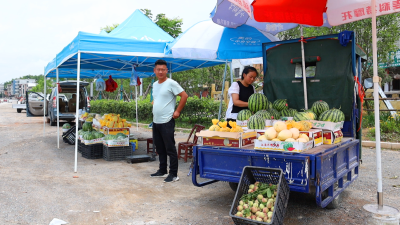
(111, 85)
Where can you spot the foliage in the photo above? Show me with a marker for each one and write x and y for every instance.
(388, 32)
(108, 29)
(389, 126)
(40, 85)
(196, 110)
(171, 26)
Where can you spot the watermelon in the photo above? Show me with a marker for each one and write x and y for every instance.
(257, 102)
(288, 112)
(280, 104)
(301, 116)
(332, 115)
(87, 127)
(275, 113)
(264, 114)
(98, 135)
(244, 114)
(121, 135)
(66, 126)
(256, 122)
(319, 107)
(110, 137)
(88, 136)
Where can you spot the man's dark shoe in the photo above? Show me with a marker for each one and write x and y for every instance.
(171, 178)
(159, 174)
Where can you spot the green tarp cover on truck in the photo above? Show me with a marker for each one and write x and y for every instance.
(329, 64)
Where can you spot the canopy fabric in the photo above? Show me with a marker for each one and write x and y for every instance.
(233, 13)
(207, 40)
(138, 26)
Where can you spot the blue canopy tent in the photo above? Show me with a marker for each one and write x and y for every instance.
(89, 55)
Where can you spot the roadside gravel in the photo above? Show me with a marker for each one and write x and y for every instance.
(37, 185)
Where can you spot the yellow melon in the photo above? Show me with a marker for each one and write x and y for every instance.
(285, 134)
(301, 140)
(304, 136)
(290, 140)
(262, 137)
(275, 139)
(295, 133)
(270, 133)
(280, 126)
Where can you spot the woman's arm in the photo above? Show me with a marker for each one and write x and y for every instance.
(237, 102)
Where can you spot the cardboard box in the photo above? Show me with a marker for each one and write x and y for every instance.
(332, 137)
(282, 146)
(228, 139)
(327, 125)
(115, 131)
(270, 123)
(315, 135)
(94, 141)
(242, 123)
(116, 143)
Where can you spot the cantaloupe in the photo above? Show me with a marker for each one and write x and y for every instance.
(275, 139)
(270, 133)
(280, 126)
(301, 140)
(262, 137)
(285, 134)
(295, 133)
(304, 136)
(290, 140)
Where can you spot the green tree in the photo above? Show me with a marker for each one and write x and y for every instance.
(40, 85)
(108, 29)
(388, 32)
(171, 26)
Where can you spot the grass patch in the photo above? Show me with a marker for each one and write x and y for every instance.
(389, 127)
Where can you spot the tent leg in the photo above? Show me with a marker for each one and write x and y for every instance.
(230, 70)
(58, 112)
(137, 119)
(303, 62)
(222, 93)
(77, 111)
(44, 107)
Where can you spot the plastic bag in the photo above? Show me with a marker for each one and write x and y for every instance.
(135, 80)
(100, 85)
(111, 85)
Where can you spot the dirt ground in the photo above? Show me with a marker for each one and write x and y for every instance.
(37, 185)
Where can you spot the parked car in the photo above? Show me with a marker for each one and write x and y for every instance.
(67, 102)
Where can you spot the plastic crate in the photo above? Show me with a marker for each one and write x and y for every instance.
(93, 151)
(69, 136)
(249, 176)
(116, 153)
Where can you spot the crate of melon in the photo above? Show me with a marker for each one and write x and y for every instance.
(261, 197)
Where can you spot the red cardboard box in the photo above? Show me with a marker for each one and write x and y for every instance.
(228, 139)
(332, 137)
(314, 134)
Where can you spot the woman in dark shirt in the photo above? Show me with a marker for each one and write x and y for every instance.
(240, 92)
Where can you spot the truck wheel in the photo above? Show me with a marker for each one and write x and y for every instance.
(19, 110)
(335, 203)
(233, 186)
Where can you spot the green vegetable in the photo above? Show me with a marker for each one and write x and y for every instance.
(269, 193)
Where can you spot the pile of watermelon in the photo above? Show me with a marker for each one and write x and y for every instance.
(66, 126)
(90, 135)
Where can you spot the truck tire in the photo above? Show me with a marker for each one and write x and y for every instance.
(233, 186)
(19, 110)
(335, 203)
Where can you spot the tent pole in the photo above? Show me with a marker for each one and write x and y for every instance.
(141, 87)
(170, 70)
(58, 112)
(376, 106)
(77, 110)
(137, 120)
(45, 101)
(230, 67)
(303, 62)
(222, 92)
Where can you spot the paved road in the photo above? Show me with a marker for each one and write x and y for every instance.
(37, 185)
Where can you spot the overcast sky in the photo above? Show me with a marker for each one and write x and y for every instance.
(33, 32)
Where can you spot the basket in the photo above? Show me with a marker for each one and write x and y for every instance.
(116, 153)
(93, 151)
(263, 175)
(69, 136)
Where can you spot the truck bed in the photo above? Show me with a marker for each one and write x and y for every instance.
(327, 168)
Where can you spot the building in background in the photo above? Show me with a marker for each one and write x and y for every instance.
(26, 87)
(9, 93)
(2, 90)
(19, 86)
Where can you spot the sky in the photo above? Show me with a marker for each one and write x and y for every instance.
(33, 32)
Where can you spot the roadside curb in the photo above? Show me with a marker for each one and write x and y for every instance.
(385, 145)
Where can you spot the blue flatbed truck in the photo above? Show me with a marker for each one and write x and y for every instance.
(325, 170)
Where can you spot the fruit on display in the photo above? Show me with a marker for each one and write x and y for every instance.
(262, 137)
(258, 203)
(98, 135)
(235, 127)
(288, 112)
(110, 137)
(304, 136)
(256, 122)
(295, 132)
(86, 114)
(301, 116)
(280, 104)
(319, 107)
(244, 114)
(264, 114)
(275, 113)
(284, 134)
(257, 102)
(305, 125)
(87, 126)
(224, 126)
(332, 115)
(270, 133)
(114, 121)
(275, 139)
(66, 126)
(280, 126)
(301, 140)
(214, 127)
(290, 140)
(269, 105)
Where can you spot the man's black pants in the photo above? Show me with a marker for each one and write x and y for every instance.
(164, 140)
